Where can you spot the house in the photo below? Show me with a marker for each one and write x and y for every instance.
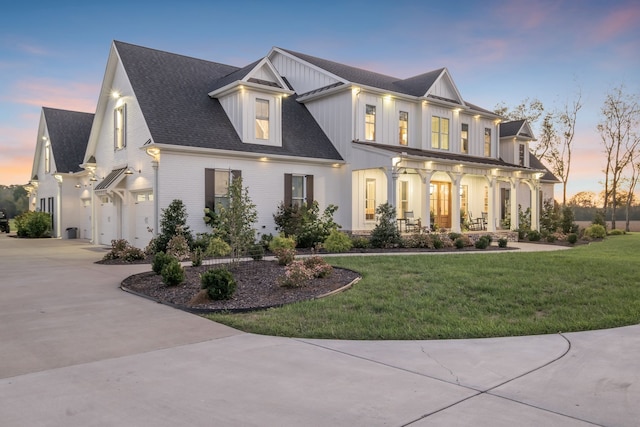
(296, 128)
(56, 173)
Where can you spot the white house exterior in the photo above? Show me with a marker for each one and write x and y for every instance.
(296, 128)
(56, 173)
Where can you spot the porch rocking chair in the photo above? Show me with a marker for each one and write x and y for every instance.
(410, 222)
(475, 224)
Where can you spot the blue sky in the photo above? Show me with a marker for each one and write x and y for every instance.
(54, 53)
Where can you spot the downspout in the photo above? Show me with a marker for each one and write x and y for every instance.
(155, 164)
(58, 209)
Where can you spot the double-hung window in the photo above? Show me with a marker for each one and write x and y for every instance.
(216, 187)
(487, 142)
(262, 118)
(439, 133)
(403, 130)
(298, 190)
(370, 123)
(47, 157)
(120, 127)
(464, 139)
(521, 155)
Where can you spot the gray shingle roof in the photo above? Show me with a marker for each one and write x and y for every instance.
(510, 128)
(172, 91)
(69, 134)
(535, 163)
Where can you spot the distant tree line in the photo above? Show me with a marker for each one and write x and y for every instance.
(14, 199)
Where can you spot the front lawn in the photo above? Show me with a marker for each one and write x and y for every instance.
(468, 296)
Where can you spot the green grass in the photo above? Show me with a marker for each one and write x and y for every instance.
(468, 296)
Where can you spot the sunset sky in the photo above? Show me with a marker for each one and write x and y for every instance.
(54, 53)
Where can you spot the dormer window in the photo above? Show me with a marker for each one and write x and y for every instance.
(262, 118)
(47, 157)
(521, 151)
(120, 127)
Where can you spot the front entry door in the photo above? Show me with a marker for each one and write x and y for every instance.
(441, 203)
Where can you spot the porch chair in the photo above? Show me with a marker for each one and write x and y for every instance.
(475, 224)
(484, 220)
(410, 222)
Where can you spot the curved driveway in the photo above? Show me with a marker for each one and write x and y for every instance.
(77, 351)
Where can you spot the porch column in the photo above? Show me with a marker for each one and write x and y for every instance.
(535, 205)
(513, 203)
(392, 184)
(58, 209)
(491, 203)
(456, 178)
(425, 197)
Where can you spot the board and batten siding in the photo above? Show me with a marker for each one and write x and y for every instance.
(303, 78)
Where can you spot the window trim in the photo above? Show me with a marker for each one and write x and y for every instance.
(261, 119)
(47, 157)
(437, 132)
(464, 140)
(403, 141)
(369, 121)
(370, 211)
(487, 142)
(120, 127)
(210, 185)
(307, 192)
(521, 156)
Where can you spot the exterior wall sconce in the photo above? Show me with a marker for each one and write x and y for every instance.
(77, 185)
(93, 179)
(130, 171)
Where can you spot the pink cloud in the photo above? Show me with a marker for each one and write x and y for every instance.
(617, 22)
(73, 96)
(15, 170)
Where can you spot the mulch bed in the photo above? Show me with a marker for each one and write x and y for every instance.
(258, 287)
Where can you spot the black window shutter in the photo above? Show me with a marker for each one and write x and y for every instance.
(309, 190)
(288, 186)
(209, 188)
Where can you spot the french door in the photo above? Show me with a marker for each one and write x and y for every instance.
(441, 203)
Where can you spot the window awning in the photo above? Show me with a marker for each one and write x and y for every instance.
(111, 180)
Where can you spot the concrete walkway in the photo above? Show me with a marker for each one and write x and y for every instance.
(77, 351)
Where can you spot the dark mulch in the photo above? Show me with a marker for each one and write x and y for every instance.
(257, 287)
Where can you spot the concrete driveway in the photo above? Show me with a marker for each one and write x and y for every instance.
(77, 351)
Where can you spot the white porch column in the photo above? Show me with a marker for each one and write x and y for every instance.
(491, 203)
(513, 203)
(392, 185)
(425, 194)
(58, 209)
(535, 205)
(456, 178)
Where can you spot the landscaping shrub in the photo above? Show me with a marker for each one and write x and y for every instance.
(437, 242)
(237, 219)
(572, 238)
(617, 232)
(534, 236)
(202, 241)
(459, 243)
(160, 259)
(282, 242)
(482, 243)
(418, 240)
(453, 236)
(359, 242)
(502, 242)
(337, 242)
(121, 249)
(567, 221)
(551, 238)
(196, 257)
(33, 224)
(219, 284)
(256, 252)
(173, 221)
(217, 248)
(178, 247)
(305, 223)
(172, 273)
(285, 256)
(385, 234)
(265, 240)
(296, 275)
(595, 231)
(318, 266)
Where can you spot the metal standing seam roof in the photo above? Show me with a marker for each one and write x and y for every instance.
(111, 179)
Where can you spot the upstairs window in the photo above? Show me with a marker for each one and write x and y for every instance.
(464, 139)
(120, 127)
(439, 133)
(370, 123)
(47, 157)
(216, 187)
(298, 190)
(521, 155)
(487, 142)
(403, 128)
(262, 118)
